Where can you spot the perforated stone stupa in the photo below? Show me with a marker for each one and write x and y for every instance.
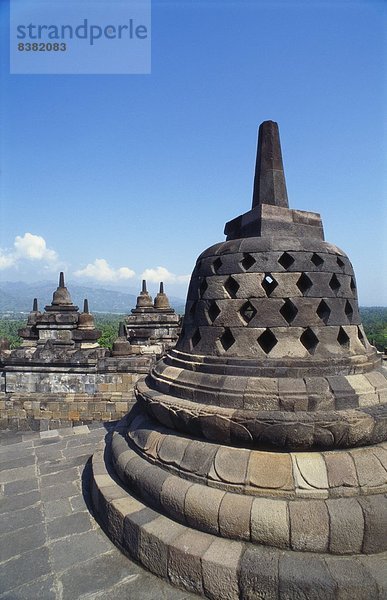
(254, 462)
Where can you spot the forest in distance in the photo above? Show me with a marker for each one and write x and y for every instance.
(374, 319)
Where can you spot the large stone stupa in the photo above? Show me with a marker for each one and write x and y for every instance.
(254, 462)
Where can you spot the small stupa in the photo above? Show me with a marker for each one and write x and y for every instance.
(254, 464)
(152, 327)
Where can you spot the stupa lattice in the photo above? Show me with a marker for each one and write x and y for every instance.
(253, 464)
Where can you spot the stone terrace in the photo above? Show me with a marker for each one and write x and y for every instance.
(51, 547)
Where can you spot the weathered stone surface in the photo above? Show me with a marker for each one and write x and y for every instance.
(259, 573)
(311, 470)
(220, 565)
(270, 522)
(305, 577)
(155, 538)
(201, 508)
(346, 523)
(375, 523)
(231, 464)
(353, 580)
(172, 497)
(235, 515)
(341, 470)
(185, 559)
(198, 459)
(370, 472)
(309, 525)
(270, 470)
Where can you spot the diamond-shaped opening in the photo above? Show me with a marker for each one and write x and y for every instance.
(196, 338)
(198, 264)
(323, 311)
(317, 260)
(213, 312)
(353, 284)
(216, 265)
(203, 287)
(286, 260)
(231, 286)
(340, 262)
(304, 283)
(192, 309)
(248, 312)
(361, 336)
(248, 261)
(309, 340)
(267, 341)
(269, 284)
(288, 311)
(343, 338)
(348, 310)
(334, 283)
(227, 339)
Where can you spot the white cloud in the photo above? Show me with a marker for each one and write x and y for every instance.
(28, 247)
(101, 271)
(34, 247)
(6, 260)
(162, 274)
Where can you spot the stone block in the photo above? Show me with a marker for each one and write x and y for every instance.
(172, 448)
(220, 566)
(270, 522)
(234, 516)
(231, 464)
(353, 579)
(375, 523)
(198, 457)
(117, 511)
(201, 508)
(155, 537)
(258, 577)
(185, 559)
(309, 525)
(270, 470)
(172, 497)
(311, 470)
(370, 472)
(346, 526)
(341, 469)
(133, 524)
(305, 577)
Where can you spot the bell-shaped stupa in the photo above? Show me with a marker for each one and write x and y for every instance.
(254, 462)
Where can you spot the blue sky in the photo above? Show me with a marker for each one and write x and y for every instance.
(140, 172)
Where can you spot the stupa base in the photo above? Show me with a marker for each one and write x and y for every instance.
(217, 567)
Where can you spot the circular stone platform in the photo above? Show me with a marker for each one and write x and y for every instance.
(253, 465)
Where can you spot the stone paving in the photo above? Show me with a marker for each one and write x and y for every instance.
(51, 546)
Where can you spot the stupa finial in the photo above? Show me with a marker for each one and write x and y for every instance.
(161, 291)
(121, 330)
(35, 305)
(85, 305)
(269, 179)
(61, 280)
(144, 290)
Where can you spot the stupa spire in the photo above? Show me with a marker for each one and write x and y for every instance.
(61, 280)
(269, 179)
(35, 305)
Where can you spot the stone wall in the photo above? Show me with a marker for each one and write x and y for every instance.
(40, 399)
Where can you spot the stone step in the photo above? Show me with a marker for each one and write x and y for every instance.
(223, 569)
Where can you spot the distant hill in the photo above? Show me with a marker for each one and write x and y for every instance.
(18, 297)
